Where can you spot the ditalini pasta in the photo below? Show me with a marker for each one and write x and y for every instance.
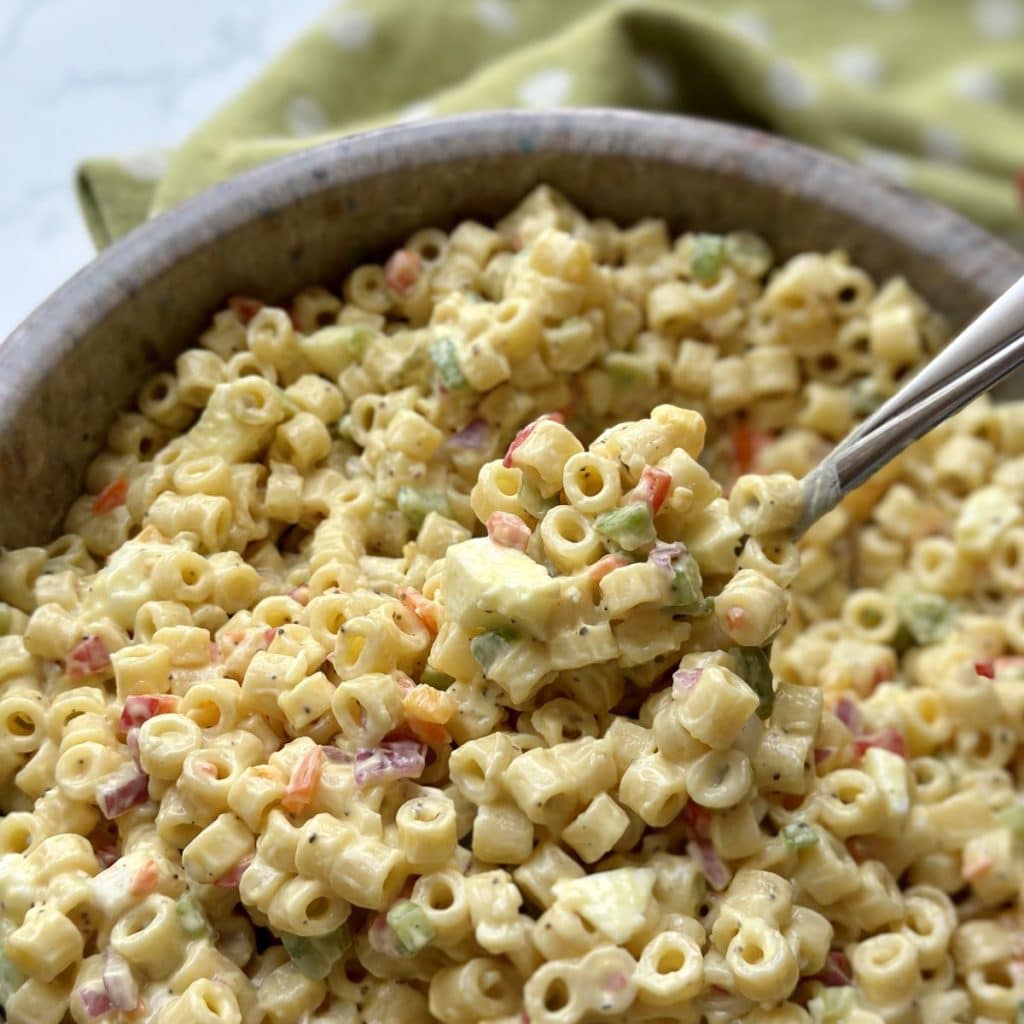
(433, 650)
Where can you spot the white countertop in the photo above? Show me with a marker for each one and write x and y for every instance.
(86, 77)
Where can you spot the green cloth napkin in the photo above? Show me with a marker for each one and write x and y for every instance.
(929, 93)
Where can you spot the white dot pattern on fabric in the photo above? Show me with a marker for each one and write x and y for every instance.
(889, 6)
(886, 163)
(941, 142)
(497, 15)
(146, 165)
(998, 19)
(349, 28)
(547, 88)
(753, 26)
(415, 111)
(304, 116)
(859, 65)
(657, 79)
(790, 88)
(979, 84)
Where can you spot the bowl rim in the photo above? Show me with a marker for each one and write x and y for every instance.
(44, 338)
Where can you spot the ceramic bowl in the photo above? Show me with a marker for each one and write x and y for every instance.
(305, 219)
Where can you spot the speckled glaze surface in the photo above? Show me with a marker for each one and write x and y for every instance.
(305, 219)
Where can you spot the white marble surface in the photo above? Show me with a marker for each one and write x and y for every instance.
(84, 77)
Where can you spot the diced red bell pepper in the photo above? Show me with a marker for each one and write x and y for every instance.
(112, 496)
(304, 781)
(887, 739)
(747, 443)
(431, 733)
(120, 794)
(233, 875)
(604, 565)
(423, 608)
(140, 708)
(882, 674)
(402, 271)
(508, 530)
(986, 669)
(520, 439)
(88, 658)
(653, 488)
(145, 879)
(244, 307)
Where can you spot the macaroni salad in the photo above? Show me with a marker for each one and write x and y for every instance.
(414, 656)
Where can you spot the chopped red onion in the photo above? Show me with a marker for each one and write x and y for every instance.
(336, 755)
(118, 980)
(837, 971)
(712, 866)
(698, 819)
(685, 679)
(381, 937)
(397, 759)
(472, 437)
(663, 555)
(122, 792)
(95, 1000)
(849, 714)
(107, 855)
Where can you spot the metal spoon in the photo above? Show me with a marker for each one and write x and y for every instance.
(986, 351)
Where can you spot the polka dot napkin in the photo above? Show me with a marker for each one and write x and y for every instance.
(928, 93)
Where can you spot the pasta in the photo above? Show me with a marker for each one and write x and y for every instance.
(435, 650)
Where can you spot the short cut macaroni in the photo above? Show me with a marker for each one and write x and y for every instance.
(434, 649)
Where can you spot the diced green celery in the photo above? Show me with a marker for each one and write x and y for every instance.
(289, 404)
(799, 834)
(417, 505)
(190, 916)
(314, 956)
(5, 619)
(630, 526)
(11, 979)
(438, 680)
(750, 254)
(837, 1003)
(1020, 1011)
(687, 592)
(488, 647)
(707, 257)
(411, 927)
(753, 668)
(533, 501)
(333, 348)
(926, 617)
(631, 368)
(1013, 818)
(446, 362)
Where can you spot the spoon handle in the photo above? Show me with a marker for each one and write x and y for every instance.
(996, 324)
(981, 356)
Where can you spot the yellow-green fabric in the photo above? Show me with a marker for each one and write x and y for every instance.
(929, 93)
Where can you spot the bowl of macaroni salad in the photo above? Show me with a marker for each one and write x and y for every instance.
(428, 644)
